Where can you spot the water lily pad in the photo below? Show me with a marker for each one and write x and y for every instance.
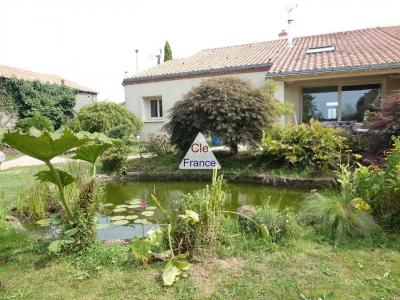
(131, 217)
(134, 206)
(121, 222)
(118, 218)
(117, 210)
(122, 206)
(141, 221)
(108, 204)
(102, 226)
(151, 208)
(148, 213)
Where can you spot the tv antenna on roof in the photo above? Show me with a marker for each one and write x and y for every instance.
(137, 62)
(156, 57)
(289, 10)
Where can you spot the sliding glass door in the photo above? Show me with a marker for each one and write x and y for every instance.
(340, 103)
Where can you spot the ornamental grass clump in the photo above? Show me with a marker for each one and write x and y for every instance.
(339, 216)
(37, 202)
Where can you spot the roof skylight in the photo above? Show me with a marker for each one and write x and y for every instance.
(320, 49)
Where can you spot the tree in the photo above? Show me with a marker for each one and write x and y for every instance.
(109, 118)
(228, 107)
(167, 51)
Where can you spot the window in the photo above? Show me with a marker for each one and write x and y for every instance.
(320, 49)
(320, 103)
(156, 110)
(356, 99)
(349, 103)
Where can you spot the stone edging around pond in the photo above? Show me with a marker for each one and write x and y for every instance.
(265, 179)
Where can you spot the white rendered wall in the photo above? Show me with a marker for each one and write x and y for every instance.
(83, 99)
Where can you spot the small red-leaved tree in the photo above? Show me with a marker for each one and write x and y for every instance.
(386, 122)
(228, 107)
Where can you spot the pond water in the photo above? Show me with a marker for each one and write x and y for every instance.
(129, 210)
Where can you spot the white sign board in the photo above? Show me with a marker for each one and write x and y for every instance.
(199, 156)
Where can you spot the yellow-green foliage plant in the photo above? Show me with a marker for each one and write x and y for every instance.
(305, 146)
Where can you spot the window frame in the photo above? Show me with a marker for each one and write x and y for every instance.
(148, 108)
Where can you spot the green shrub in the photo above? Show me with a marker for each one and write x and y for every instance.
(111, 119)
(39, 122)
(339, 216)
(282, 225)
(387, 201)
(305, 146)
(158, 144)
(229, 107)
(114, 159)
(378, 187)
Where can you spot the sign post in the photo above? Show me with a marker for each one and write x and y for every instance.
(199, 156)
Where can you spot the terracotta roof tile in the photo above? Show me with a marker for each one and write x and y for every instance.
(11, 72)
(357, 48)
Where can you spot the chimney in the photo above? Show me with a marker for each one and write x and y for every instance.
(283, 35)
(158, 59)
(289, 11)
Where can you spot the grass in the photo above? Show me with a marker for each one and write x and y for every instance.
(14, 182)
(311, 269)
(232, 166)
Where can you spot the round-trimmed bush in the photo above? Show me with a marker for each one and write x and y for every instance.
(38, 121)
(109, 118)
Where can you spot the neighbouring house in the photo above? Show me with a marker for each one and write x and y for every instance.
(334, 77)
(83, 95)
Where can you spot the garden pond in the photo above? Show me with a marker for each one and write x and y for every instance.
(128, 209)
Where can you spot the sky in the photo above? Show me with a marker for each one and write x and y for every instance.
(93, 42)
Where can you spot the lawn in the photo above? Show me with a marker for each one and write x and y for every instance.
(240, 266)
(307, 270)
(14, 182)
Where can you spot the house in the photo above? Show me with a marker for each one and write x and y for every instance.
(333, 77)
(83, 95)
